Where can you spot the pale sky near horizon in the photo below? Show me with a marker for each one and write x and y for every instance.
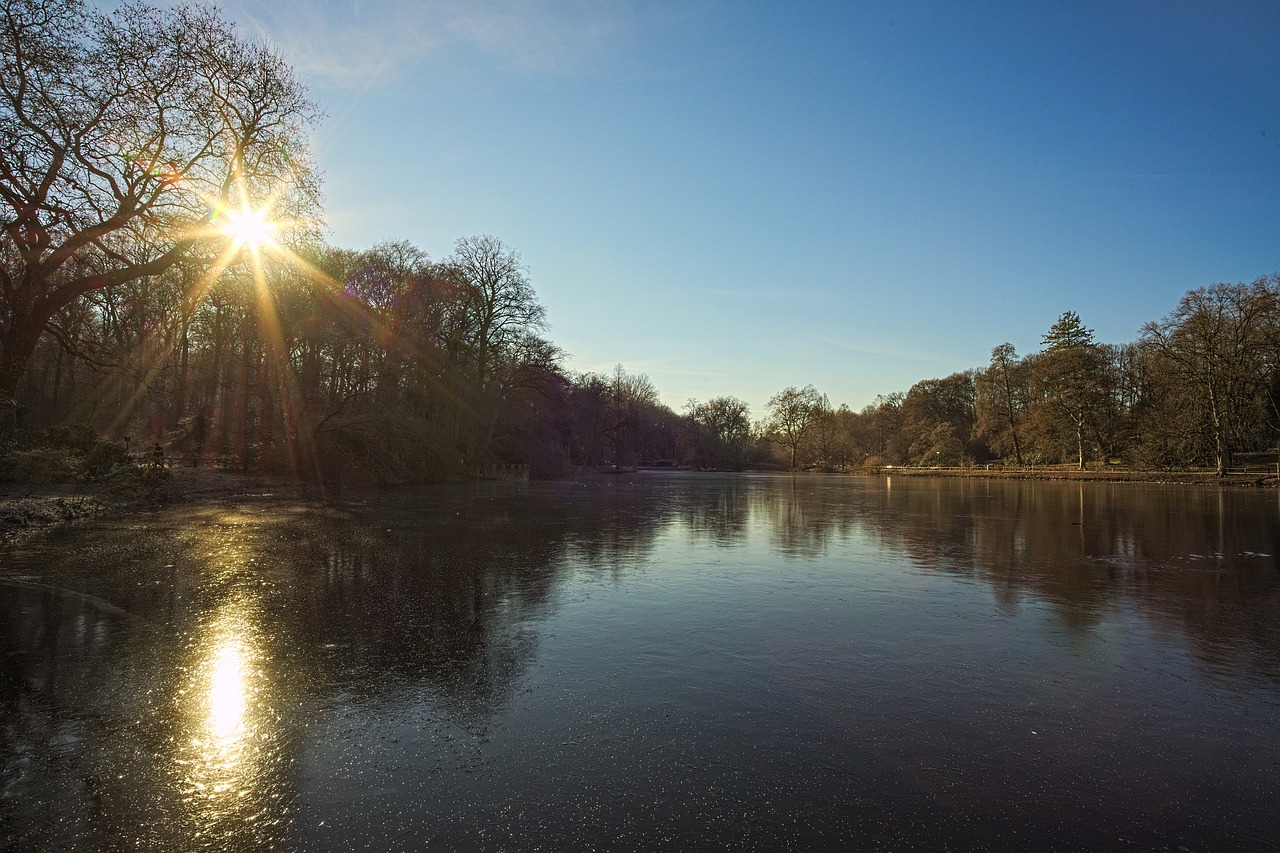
(734, 197)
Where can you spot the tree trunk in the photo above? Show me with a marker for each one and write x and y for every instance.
(184, 362)
(16, 349)
(55, 397)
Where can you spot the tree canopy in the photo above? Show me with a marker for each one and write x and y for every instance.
(126, 134)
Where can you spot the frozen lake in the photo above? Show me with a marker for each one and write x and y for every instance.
(659, 660)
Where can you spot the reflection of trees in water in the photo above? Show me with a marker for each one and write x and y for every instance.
(803, 514)
(1178, 554)
(717, 509)
(608, 522)
(78, 721)
(127, 699)
(110, 722)
(806, 513)
(445, 597)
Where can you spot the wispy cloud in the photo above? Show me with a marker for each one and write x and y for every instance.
(547, 36)
(354, 44)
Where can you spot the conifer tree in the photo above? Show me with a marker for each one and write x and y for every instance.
(1068, 332)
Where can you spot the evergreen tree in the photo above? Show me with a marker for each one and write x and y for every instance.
(1071, 382)
(1068, 332)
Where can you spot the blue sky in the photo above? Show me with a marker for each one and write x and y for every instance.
(734, 197)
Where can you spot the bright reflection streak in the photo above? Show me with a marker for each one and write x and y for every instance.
(228, 741)
(231, 740)
(227, 693)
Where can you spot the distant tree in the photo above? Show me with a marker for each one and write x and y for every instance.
(1072, 383)
(822, 445)
(931, 403)
(940, 446)
(885, 429)
(1002, 401)
(721, 430)
(630, 397)
(400, 316)
(495, 336)
(1219, 352)
(501, 303)
(849, 447)
(122, 132)
(1067, 332)
(791, 414)
(618, 419)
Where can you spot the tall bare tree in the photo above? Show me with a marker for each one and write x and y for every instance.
(124, 133)
(501, 303)
(1002, 401)
(792, 413)
(1220, 346)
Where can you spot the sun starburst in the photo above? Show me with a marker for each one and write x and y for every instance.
(249, 228)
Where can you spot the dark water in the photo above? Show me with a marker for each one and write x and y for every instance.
(665, 662)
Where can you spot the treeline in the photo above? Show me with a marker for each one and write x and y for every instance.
(1198, 388)
(381, 365)
(387, 366)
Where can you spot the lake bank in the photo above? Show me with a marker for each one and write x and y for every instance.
(26, 507)
(1255, 479)
(32, 506)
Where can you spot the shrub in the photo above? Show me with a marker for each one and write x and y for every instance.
(39, 467)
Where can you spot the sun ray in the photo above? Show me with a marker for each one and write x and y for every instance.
(249, 242)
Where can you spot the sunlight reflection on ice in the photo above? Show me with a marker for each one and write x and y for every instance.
(227, 693)
(228, 743)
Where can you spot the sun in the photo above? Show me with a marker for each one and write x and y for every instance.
(251, 228)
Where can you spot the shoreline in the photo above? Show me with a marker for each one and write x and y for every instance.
(1249, 480)
(1252, 480)
(33, 507)
(26, 507)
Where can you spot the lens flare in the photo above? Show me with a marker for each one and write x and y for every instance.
(251, 228)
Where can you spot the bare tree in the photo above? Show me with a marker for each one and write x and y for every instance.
(629, 396)
(1219, 346)
(501, 304)
(1002, 400)
(124, 134)
(792, 412)
(721, 428)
